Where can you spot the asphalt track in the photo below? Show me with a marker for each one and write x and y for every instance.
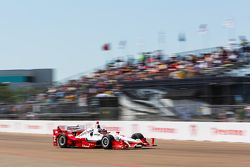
(25, 150)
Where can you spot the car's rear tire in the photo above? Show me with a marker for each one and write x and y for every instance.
(107, 141)
(62, 141)
(137, 136)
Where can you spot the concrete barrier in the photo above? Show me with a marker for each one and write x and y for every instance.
(197, 131)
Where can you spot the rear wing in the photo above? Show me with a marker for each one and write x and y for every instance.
(67, 129)
(70, 128)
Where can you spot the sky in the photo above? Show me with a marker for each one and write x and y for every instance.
(68, 35)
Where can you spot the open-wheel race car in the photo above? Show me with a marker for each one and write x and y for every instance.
(75, 136)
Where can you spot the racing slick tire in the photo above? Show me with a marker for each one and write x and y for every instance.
(107, 141)
(62, 141)
(137, 136)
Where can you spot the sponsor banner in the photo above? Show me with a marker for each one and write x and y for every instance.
(6, 126)
(197, 131)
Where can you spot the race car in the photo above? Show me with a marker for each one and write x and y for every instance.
(76, 136)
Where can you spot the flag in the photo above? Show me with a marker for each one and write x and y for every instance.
(242, 38)
(203, 29)
(229, 23)
(122, 44)
(182, 37)
(140, 43)
(106, 47)
(161, 37)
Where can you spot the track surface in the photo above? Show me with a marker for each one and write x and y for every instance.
(24, 150)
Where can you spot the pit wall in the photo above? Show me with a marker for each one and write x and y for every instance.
(197, 131)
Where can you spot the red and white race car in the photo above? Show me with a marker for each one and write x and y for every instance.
(75, 136)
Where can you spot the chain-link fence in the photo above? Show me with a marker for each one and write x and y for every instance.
(97, 108)
(72, 111)
(190, 113)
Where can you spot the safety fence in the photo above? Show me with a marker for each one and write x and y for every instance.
(183, 111)
(96, 108)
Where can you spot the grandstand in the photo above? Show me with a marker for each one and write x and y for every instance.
(154, 86)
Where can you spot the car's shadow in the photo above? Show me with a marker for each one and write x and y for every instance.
(126, 149)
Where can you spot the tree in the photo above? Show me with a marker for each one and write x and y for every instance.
(6, 95)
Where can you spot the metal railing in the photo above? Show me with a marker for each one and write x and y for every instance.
(190, 112)
(57, 111)
(72, 111)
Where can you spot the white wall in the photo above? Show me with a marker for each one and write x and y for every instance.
(198, 131)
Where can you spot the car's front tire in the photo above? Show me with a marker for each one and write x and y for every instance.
(107, 141)
(62, 141)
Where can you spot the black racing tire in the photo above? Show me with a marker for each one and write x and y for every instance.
(137, 136)
(62, 141)
(107, 141)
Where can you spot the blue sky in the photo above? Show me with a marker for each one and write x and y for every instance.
(68, 35)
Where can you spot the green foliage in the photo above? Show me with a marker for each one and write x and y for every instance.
(8, 95)
(241, 113)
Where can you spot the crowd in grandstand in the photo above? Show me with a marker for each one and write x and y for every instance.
(149, 66)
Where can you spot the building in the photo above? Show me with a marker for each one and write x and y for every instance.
(24, 77)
